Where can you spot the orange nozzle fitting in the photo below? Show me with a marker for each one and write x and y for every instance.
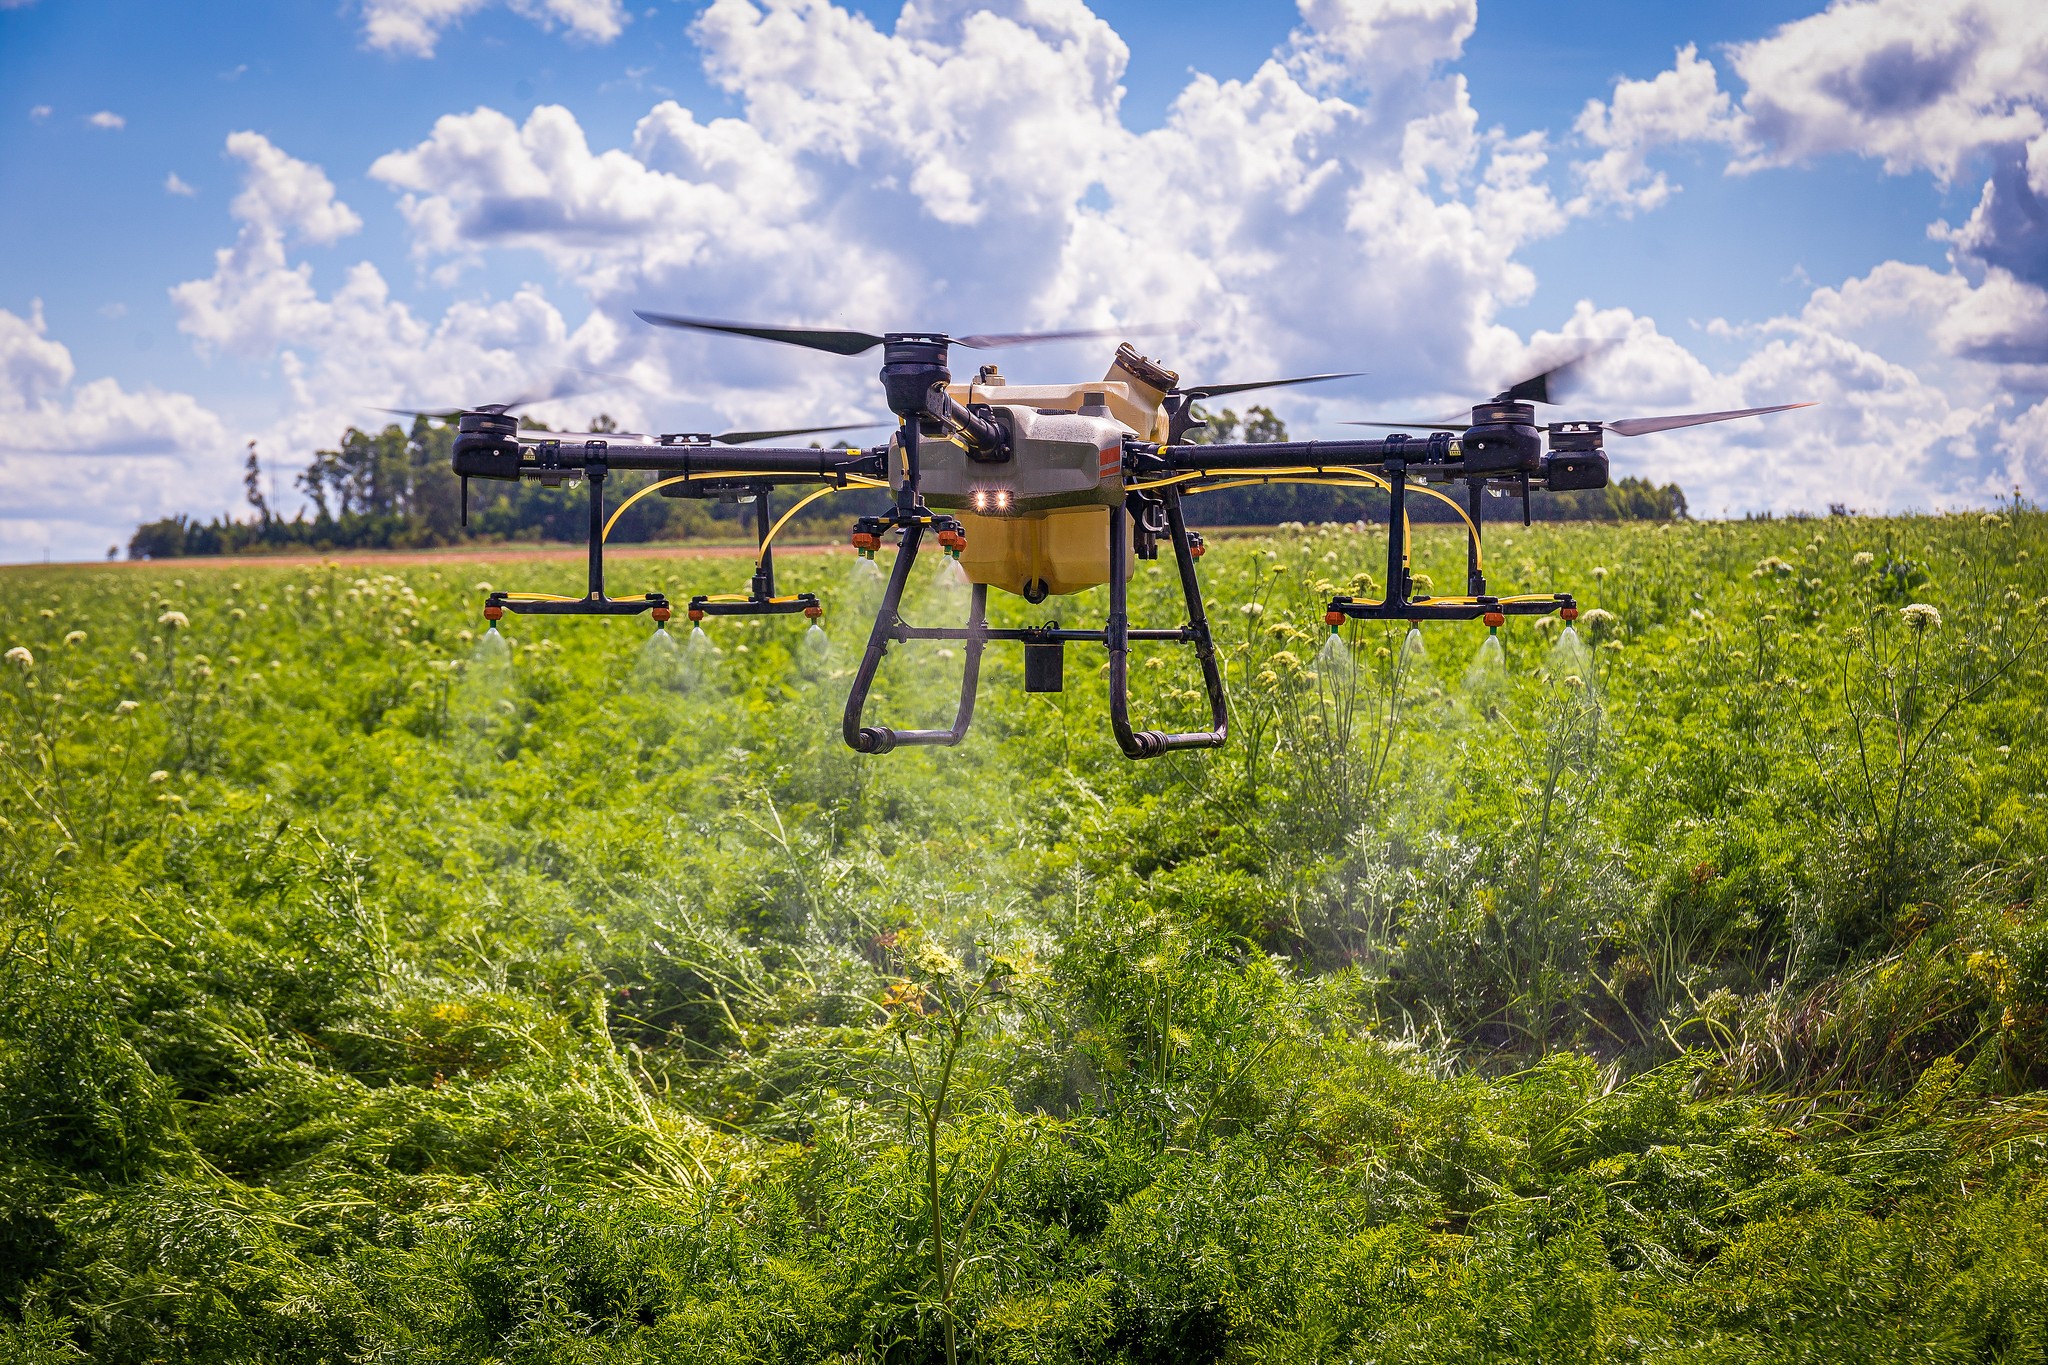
(1333, 619)
(814, 612)
(953, 541)
(1198, 549)
(866, 542)
(1494, 619)
(660, 614)
(493, 612)
(696, 613)
(1569, 613)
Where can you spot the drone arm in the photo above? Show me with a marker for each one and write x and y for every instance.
(1252, 457)
(543, 458)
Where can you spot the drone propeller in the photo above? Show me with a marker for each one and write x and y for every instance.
(573, 384)
(1643, 426)
(450, 414)
(840, 342)
(724, 438)
(1626, 426)
(1554, 384)
(1201, 391)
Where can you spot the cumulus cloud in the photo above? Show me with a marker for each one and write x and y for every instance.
(1919, 84)
(38, 112)
(355, 346)
(175, 184)
(1684, 104)
(282, 195)
(81, 464)
(414, 27)
(980, 175)
(108, 120)
(1378, 42)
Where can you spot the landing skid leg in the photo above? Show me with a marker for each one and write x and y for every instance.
(880, 739)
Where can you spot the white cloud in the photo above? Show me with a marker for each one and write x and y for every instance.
(413, 27)
(174, 184)
(283, 195)
(1378, 42)
(1684, 104)
(81, 465)
(107, 119)
(1919, 84)
(342, 352)
(979, 175)
(38, 112)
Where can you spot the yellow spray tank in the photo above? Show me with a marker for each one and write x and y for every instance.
(1037, 523)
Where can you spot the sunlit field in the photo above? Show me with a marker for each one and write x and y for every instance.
(374, 986)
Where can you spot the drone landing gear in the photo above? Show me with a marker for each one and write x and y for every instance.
(594, 602)
(1477, 605)
(1044, 646)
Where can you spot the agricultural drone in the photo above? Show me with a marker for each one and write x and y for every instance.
(1048, 490)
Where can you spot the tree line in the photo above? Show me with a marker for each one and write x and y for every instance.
(393, 489)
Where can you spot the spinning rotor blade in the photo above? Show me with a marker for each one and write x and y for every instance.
(564, 388)
(988, 341)
(1411, 426)
(740, 438)
(1201, 391)
(854, 343)
(724, 438)
(1643, 426)
(816, 338)
(1554, 384)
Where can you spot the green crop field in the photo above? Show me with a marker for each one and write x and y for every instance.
(370, 991)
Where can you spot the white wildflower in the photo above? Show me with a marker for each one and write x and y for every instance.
(174, 619)
(1920, 616)
(20, 655)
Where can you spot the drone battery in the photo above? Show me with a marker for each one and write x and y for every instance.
(1567, 470)
(1045, 667)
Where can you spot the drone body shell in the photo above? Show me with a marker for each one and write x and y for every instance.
(1037, 522)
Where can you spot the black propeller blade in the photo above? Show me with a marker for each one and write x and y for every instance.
(725, 438)
(816, 338)
(1554, 384)
(1201, 391)
(1627, 426)
(574, 384)
(840, 342)
(1643, 426)
(450, 414)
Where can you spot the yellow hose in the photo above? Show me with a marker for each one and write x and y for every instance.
(852, 481)
(1290, 475)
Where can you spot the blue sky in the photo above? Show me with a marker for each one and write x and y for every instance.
(427, 201)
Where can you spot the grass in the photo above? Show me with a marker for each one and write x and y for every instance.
(1675, 993)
